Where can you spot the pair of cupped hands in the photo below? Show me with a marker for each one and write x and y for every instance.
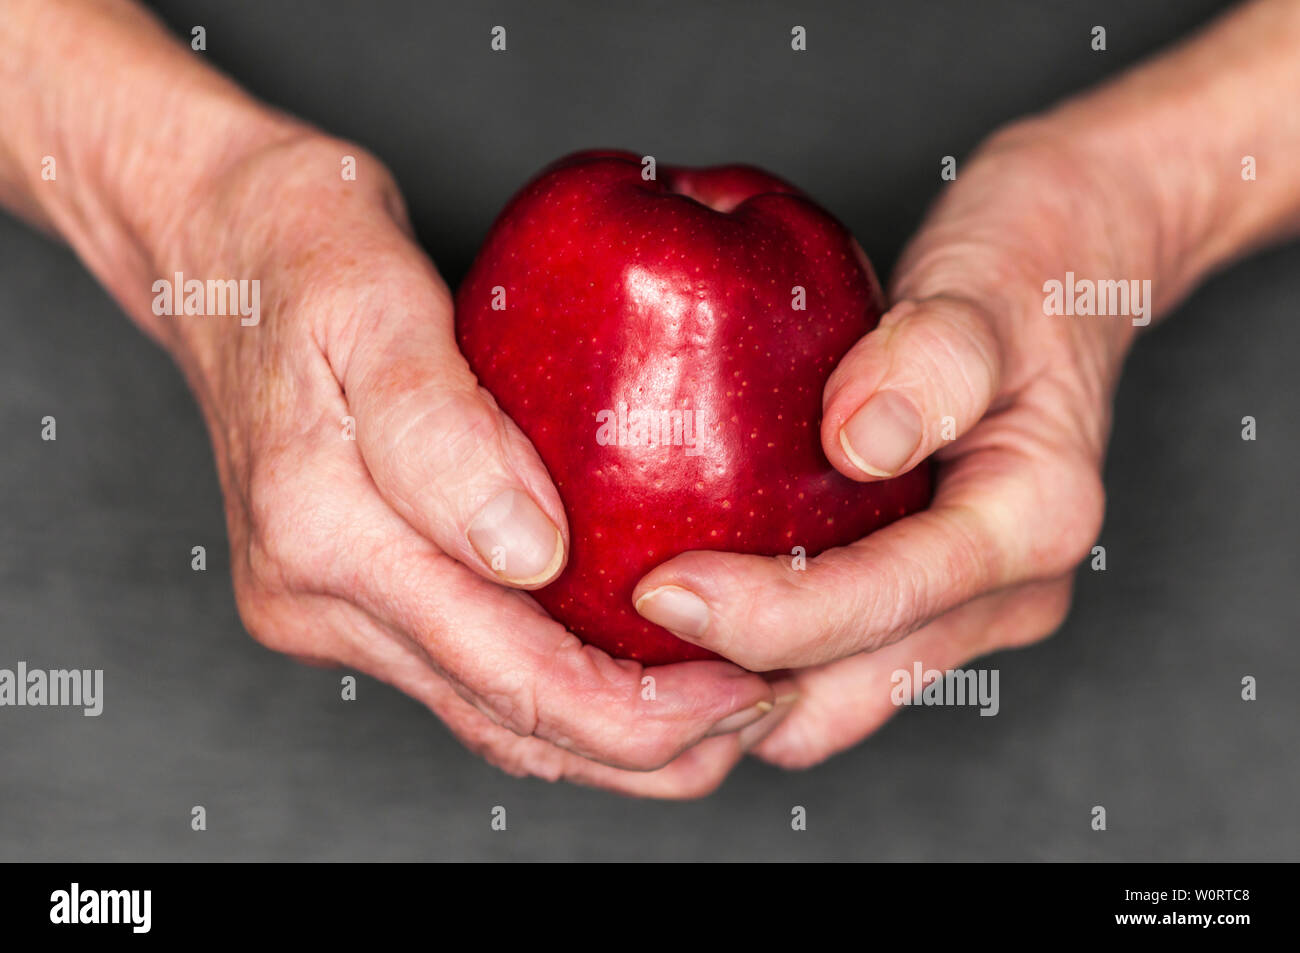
(375, 553)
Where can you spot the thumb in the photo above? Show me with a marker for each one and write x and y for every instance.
(443, 454)
(922, 378)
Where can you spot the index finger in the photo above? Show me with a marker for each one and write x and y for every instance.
(1004, 513)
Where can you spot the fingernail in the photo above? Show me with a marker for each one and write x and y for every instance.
(516, 539)
(882, 435)
(678, 610)
(738, 720)
(758, 730)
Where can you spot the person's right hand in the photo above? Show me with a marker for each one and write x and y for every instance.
(377, 552)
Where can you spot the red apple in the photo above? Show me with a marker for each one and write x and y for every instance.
(650, 339)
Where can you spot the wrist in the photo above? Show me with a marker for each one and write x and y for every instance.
(1199, 154)
(130, 232)
(112, 128)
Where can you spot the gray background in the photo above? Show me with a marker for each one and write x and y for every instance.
(1134, 704)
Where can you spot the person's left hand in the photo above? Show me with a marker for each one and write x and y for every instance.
(1019, 498)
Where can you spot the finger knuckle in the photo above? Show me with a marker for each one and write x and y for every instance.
(1055, 612)
(510, 704)
(272, 533)
(1080, 503)
(650, 751)
(1042, 614)
(293, 531)
(455, 422)
(956, 351)
(524, 758)
(861, 614)
(611, 725)
(259, 611)
(466, 434)
(265, 565)
(756, 628)
(1052, 610)
(798, 751)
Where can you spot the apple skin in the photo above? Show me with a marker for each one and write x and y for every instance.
(673, 294)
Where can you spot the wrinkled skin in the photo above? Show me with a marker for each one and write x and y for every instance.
(359, 552)
(352, 552)
(1019, 498)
